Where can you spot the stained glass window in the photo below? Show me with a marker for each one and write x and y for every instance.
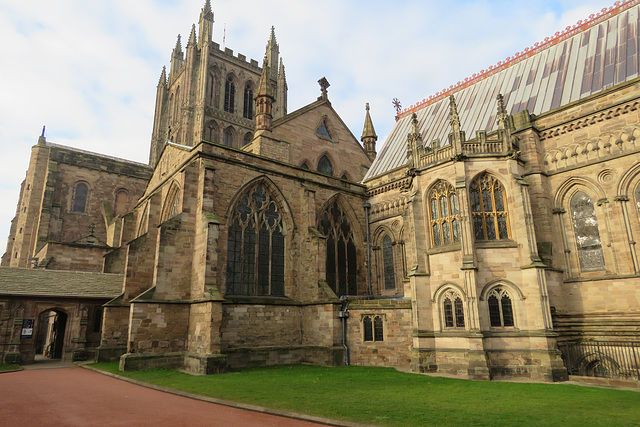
(500, 308)
(445, 219)
(388, 265)
(80, 197)
(488, 209)
(247, 112)
(229, 95)
(453, 310)
(255, 255)
(324, 166)
(341, 267)
(585, 226)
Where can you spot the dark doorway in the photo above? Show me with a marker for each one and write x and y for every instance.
(50, 339)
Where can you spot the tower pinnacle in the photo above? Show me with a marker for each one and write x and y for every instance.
(369, 136)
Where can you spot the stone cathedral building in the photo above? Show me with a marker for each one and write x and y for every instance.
(492, 235)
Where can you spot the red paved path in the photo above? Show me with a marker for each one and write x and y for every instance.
(79, 397)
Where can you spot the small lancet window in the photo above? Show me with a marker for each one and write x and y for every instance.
(211, 89)
(247, 111)
(323, 131)
(228, 137)
(500, 308)
(373, 329)
(80, 198)
(388, 265)
(585, 225)
(305, 165)
(211, 132)
(324, 166)
(489, 208)
(229, 95)
(445, 219)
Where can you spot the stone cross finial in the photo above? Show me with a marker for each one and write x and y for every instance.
(324, 84)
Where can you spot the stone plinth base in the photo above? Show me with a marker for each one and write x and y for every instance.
(205, 364)
(142, 361)
(264, 356)
(110, 354)
(13, 358)
(79, 355)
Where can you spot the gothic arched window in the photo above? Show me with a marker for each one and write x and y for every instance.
(172, 203)
(372, 327)
(80, 198)
(211, 132)
(255, 255)
(443, 208)
(305, 166)
(247, 138)
(453, 310)
(324, 166)
(500, 308)
(229, 95)
(489, 208)
(387, 264)
(228, 137)
(247, 111)
(341, 264)
(211, 89)
(585, 226)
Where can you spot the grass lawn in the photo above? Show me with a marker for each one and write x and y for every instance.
(384, 396)
(4, 367)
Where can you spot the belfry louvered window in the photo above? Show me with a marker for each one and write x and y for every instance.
(587, 234)
(255, 256)
(489, 209)
(341, 251)
(445, 219)
(229, 95)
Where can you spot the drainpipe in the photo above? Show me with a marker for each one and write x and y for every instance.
(367, 206)
(343, 314)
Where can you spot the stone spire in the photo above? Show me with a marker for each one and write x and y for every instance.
(177, 58)
(369, 136)
(281, 94)
(206, 24)
(192, 37)
(264, 100)
(163, 77)
(272, 53)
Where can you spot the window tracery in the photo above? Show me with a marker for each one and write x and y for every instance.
(341, 264)
(489, 208)
(247, 111)
(500, 308)
(444, 213)
(585, 225)
(453, 310)
(229, 95)
(388, 264)
(372, 327)
(255, 256)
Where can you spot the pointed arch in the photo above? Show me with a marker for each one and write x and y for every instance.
(385, 245)
(627, 179)
(80, 197)
(337, 222)
(444, 213)
(229, 93)
(322, 130)
(489, 208)
(171, 205)
(569, 186)
(247, 110)
(211, 131)
(502, 298)
(248, 137)
(229, 137)
(256, 243)
(121, 202)
(325, 165)
(305, 165)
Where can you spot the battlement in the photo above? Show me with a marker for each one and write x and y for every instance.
(240, 59)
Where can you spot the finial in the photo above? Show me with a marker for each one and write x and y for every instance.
(41, 139)
(501, 109)
(264, 89)
(454, 111)
(397, 105)
(192, 36)
(368, 131)
(207, 7)
(324, 84)
(414, 124)
(272, 38)
(163, 76)
(178, 47)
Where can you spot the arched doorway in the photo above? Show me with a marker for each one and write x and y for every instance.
(52, 325)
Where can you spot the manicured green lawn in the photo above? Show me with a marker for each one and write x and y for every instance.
(384, 396)
(4, 367)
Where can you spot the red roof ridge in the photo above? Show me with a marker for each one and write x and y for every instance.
(559, 36)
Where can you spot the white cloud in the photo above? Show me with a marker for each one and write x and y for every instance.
(88, 69)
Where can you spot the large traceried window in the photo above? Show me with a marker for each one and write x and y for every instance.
(453, 310)
(489, 208)
(445, 219)
(585, 226)
(255, 256)
(500, 308)
(229, 95)
(341, 264)
(388, 264)
(80, 198)
(247, 111)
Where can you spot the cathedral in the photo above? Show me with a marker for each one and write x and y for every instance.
(491, 236)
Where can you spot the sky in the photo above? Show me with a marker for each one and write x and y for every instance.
(88, 69)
